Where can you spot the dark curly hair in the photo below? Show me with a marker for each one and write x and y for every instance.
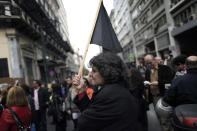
(56, 89)
(110, 67)
(179, 60)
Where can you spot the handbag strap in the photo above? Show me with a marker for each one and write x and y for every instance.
(17, 119)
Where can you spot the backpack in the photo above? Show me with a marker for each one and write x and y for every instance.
(19, 123)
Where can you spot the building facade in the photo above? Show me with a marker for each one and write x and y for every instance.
(121, 21)
(151, 27)
(184, 14)
(154, 26)
(34, 40)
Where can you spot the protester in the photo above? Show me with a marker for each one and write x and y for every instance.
(26, 88)
(18, 102)
(159, 76)
(167, 58)
(179, 65)
(141, 67)
(3, 95)
(184, 89)
(40, 103)
(138, 90)
(56, 108)
(112, 107)
(64, 89)
(69, 82)
(159, 60)
(72, 109)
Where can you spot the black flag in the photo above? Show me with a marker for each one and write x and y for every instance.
(104, 34)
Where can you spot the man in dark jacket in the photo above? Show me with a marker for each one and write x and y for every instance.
(158, 75)
(184, 89)
(40, 103)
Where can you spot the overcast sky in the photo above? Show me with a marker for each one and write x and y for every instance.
(80, 17)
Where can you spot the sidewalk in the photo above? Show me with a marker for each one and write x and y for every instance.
(153, 122)
(51, 127)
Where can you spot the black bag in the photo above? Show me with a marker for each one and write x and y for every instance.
(19, 123)
(185, 118)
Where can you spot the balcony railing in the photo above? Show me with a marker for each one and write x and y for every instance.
(42, 14)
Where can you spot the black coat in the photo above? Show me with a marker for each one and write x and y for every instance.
(165, 76)
(183, 90)
(112, 108)
(43, 97)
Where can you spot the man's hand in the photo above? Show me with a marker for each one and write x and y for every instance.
(69, 112)
(154, 83)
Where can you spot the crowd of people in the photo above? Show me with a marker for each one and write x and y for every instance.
(114, 97)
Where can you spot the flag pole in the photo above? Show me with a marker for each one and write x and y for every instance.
(89, 40)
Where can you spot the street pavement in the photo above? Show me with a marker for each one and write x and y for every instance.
(51, 127)
(153, 122)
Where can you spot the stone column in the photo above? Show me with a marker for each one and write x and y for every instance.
(156, 46)
(15, 58)
(174, 47)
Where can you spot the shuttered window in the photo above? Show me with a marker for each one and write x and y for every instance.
(4, 68)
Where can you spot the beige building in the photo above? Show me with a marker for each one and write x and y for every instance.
(33, 40)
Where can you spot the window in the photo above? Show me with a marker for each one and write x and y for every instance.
(2, 10)
(4, 68)
(156, 5)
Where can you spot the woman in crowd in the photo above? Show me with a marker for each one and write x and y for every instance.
(112, 107)
(138, 90)
(56, 108)
(18, 102)
(3, 95)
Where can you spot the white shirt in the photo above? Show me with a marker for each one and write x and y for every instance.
(36, 100)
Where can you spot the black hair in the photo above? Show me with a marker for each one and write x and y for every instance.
(135, 77)
(26, 88)
(166, 52)
(38, 82)
(179, 60)
(56, 89)
(64, 83)
(110, 67)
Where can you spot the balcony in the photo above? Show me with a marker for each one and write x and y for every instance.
(38, 10)
(178, 4)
